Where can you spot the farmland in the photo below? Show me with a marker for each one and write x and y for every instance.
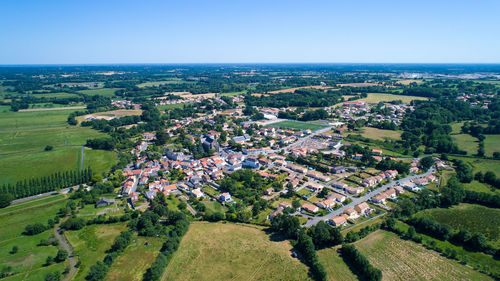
(110, 114)
(405, 260)
(335, 266)
(474, 218)
(297, 125)
(466, 142)
(377, 97)
(107, 92)
(136, 259)
(27, 263)
(378, 134)
(224, 251)
(491, 144)
(90, 244)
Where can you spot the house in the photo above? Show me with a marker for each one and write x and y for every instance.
(413, 170)
(325, 204)
(337, 221)
(337, 197)
(103, 202)
(317, 175)
(353, 190)
(362, 208)
(377, 152)
(284, 205)
(296, 168)
(410, 186)
(134, 197)
(351, 213)
(337, 170)
(339, 185)
(197, 193)
(225, 197)
(252, 163)
(314, 186)
(399, 189)
(309, 208)
(421, 181)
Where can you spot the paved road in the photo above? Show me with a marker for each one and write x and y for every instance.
(63, 242)
(62, 191)
(358, 200)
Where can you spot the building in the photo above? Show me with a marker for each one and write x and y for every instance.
(103, 202)
(225, 197)
(337, 197)
(325, 204)
(337, 170)
(337, 221)
(351, 213)
(197, 193)
(309, 208)
(252, 163)
(362, 208)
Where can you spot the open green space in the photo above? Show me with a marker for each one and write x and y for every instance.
(379, 134)
(27, 263)
(91, 243)
(172, 106)
(136, 259)
(335, 267)
(405, 260)
(297, 125)
(159, 83)
(55, 95)
(107, 92)
(227, 251)
(491, 144)
(480, 164)
(471, 217)
(466, 143)
(378, 97)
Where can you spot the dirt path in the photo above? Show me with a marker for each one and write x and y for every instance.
(63, 242)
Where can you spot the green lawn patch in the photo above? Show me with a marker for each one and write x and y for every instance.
(335, 267)
(107, 92)
(297, 125)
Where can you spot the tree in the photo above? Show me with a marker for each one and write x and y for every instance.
(49, 148)
(53, 276)
(296, 204)
(14, 250)
(453, 193)
(490, 177)
(61, 255)
(49, 260)
(5, 199)
(426, 162)
(97, 272)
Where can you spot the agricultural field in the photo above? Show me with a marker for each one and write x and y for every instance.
(135, 260)
(110, 114)
(379, 134)
(55, 95)
(27, 263)
(474, 218)
(107, 92)
(405, 260)
(297, 125)
(466, 143)
(172, 106)
(159, 83)
(377, 97)
(491, 144)
(91, 243)
(335, 267)
(227, 251)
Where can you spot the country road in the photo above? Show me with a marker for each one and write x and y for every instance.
(72, 260)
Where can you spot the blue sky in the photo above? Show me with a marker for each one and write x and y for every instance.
(109, 31)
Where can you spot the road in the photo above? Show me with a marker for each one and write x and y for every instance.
(62, 191)
(72, 260)
(357, 200)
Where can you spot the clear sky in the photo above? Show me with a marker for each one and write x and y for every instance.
(189, 31)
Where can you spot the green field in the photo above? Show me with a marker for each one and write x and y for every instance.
(172, 106)
(297, 125)
(483, 165)
(24, 135)
(91, 243)
(335, 267)
(107, 92)
(27, 263)
(378, 134)
(377, 97)
(491, 144)
(474, 218)
(405, 260)
(55, 95)
(226, 251)
(466, 143)
(135, 260)
(159, 83)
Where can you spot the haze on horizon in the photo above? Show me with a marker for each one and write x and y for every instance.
(101, 32)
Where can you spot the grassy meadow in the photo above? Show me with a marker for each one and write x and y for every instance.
(226, 251)
(28, 262)
(297, 125)
(491, 144)
(377, 97)
(107, 92)
(466, 143)
(405, 260)
(379, 134)
(335, 267)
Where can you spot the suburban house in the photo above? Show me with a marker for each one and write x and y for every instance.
(252, 163)
(362, 208)
(410, 186)
(353, 190)
(338, 221)
(197, 193)
(325, 204)
(337, 197)
(309, 208)
(339, 185)
(337, 170)
(317, 175)
(225, 197)
(103, 202)
(351, 213)
(314, 186)
(377, 152)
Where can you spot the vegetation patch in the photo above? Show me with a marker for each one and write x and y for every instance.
(297, 125)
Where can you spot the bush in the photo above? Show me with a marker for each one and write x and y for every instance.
(73, 223)
(360, 263)
(5, 199)
(33, 229)
(53, 276)
(97, 272)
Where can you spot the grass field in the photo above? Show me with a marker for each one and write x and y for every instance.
(226, 251)
(479, 164)
(107, 92)
(55, 95)
(474, 218)
(90, 244)
(297, 125)
(466, 142)
(28, 261)
(335, 267)
(491, 144)
(378, 134)
(172, 106)
(405, 260)
(18, 166)
(158, 83)
(377, 97)
(135, 260)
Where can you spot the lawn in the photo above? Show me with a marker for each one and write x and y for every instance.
(377, 97)
(18, 166)
(379, 134)
(466, 142)
(405, 260)
(90, 244)
(29, 259)
(135, 260)
(335, 267)
(107, 92)
(214, 206)
(297, 125)
(491, 144)
(474, 218)
(226, 251)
